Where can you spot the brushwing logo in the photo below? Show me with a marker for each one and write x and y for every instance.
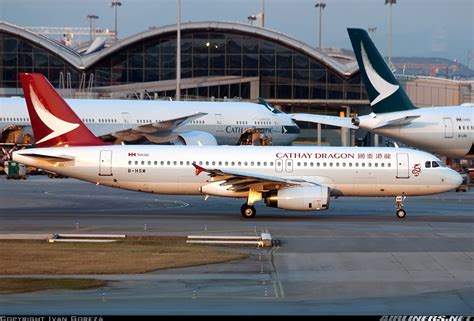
(58, 126)
(383, 87)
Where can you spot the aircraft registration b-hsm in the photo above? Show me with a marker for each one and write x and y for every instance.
(174, 122)
(293, 178)
(446, 130)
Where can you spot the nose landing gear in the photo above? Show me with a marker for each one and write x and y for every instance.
(399, 203)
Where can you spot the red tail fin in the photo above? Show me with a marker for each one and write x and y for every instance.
(53, 121)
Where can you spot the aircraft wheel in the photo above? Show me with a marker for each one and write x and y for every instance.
(401, 213)
(248, 211)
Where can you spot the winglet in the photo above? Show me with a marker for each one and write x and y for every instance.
(53, 121)
(199, 169)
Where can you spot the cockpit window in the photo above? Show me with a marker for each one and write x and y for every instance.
(427, 164)
(435, 164)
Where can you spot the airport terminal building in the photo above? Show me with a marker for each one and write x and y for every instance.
(219, 60)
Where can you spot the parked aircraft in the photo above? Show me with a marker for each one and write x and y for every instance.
(175, 122)
(447, 130)
(292, 178)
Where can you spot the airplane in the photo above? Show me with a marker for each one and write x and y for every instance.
(447, 130)
(185, 123)
(285, 177)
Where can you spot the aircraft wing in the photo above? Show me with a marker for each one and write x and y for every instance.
(241, 181)
(164, 127)
(397, 121)
(326, 120)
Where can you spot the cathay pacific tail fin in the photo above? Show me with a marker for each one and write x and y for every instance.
(384, 90)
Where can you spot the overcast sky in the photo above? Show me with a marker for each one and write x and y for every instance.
(428, 28)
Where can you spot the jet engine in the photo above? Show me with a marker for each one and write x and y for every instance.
(195, 138)
(303, 198)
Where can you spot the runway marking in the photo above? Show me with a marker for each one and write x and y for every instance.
(277, 285)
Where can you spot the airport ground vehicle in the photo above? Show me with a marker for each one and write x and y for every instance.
(15, 170)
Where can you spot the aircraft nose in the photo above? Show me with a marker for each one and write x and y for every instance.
(453, 178)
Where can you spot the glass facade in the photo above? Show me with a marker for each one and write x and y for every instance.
(20, 55)
(284, 72)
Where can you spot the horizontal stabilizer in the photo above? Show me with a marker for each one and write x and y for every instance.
(49, 158)
(397, 122)
(326, 120)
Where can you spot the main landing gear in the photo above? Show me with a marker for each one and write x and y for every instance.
(399, 202)
(248, 211)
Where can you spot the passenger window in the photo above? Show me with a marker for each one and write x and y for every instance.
(299, 164)
(213, 163)
(207, 163)
(181, 163)
(162, 163)
(264, 163)
(258, 163)
(350, 164)
(129, 162)
(233, 163)
(363, 164)
(305, 164)
(220, 163)
(337, 164)
(168, 162)
(143, 162)
(369, 164)
(383, 165)
(427, 164)
(389, 165)
(271, 163)
(376, 164)
(251, 163)
(149, 163)
(245, 163)
(136, 162)
(187, 163)
(226, 163)
(239, 163)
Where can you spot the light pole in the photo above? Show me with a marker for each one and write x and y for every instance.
(91, 17)
(390, 2)
(321, 6)
(116, 3)
(263, 13)
(178, 50)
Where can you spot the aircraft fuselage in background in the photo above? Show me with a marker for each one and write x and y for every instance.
(224, 120)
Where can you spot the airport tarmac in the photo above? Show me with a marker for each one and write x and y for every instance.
(356, 258)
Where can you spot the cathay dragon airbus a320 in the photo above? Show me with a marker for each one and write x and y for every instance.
(292, 178)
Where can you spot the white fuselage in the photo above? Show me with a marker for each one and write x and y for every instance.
(224, 120)
(168, 169)
(447, 131)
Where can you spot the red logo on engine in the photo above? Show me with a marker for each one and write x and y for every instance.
(416, 170)
(132, 154)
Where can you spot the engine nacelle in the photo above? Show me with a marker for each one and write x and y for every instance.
(195, 138)
(303, 198)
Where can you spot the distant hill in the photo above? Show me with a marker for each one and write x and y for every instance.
(433, 66)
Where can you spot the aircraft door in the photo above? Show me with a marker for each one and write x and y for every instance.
(127, 119)
(105, 164)
(220, 123)
(279, 165)
(448, 127)
(289, 165)
(402, 165)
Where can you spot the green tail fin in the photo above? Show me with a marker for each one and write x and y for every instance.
(384, 90)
